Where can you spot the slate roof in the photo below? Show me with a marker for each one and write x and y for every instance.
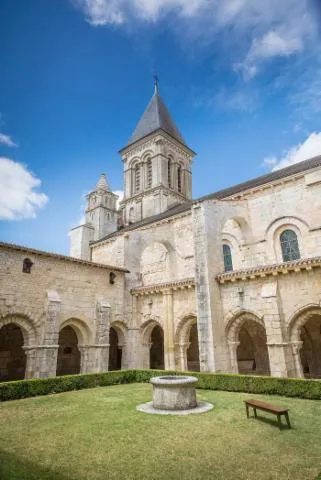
(156, 117)
(224, 194)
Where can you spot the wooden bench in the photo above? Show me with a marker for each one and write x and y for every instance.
(266, 407)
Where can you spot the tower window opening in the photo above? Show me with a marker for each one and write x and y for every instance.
(169, 173)
(179, 178)
(149, 173)
(137, 178)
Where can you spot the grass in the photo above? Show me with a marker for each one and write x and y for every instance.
(98, 434)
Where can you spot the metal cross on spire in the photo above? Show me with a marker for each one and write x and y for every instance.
(156, 81)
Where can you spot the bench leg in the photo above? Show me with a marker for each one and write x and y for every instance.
(287, 419)
(247, 411)
(255, 414)
(279, 422)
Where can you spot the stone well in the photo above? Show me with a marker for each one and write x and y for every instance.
(174, 395)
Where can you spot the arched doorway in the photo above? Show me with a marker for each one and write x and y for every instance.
(310, 353)
(193, 362)
(68, 361)
(156, 352)
(252, 352)
(115, 351)
(12, 356)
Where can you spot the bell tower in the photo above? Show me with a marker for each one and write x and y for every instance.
(157, 165)
(100, 219)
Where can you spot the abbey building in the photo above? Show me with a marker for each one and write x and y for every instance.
(230, 282)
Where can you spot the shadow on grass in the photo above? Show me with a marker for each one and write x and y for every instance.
(14, 468)
(271, 421)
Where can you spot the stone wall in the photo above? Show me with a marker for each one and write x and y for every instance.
(59, 292)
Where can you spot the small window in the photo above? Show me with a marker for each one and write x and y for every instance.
(179, 178)
(26, 266)
(289, 246)
(137, 178)
(112, 277)
(169, 173)
(149, 173)
(227, 255)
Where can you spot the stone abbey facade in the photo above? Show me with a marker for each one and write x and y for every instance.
(230, 282)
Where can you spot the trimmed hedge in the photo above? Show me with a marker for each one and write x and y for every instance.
(288, 387)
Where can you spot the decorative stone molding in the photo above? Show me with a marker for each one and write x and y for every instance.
(162, 288)
(268, 270)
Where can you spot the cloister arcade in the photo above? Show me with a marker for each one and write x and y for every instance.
(245, 333)
(247, 343)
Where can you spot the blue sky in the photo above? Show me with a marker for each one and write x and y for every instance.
(242, 79)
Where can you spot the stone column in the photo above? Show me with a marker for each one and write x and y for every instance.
(277, 347)
(296, 347)
(169, 347)
(233, 355)
(46, 354)
(134, 349)
(182, 356)
(96, 357)
(31, 357)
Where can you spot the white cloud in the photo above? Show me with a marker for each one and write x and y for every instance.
(18, 196)
(311, 147)
(6, 140)
(103, 12)
(258, 29)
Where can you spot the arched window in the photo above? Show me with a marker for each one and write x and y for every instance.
(169, 173)
(179, 178)
(137, 178)
(131, 215)
(289, 246)
(227, 255)
(149, 173)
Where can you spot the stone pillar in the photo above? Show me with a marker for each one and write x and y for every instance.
(134, 349)
(296, 347)
(45, 357)
(94, 358)
(98, 354)
(134, 341)
(31, 357)
(169, 347)
(277, 347)
(182, 356)
(233, 355)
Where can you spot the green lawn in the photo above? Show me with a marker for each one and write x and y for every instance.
(98, 434)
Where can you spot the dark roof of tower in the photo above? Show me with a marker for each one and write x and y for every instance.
(155, 117)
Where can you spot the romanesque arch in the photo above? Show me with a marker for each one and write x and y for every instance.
(18, 336)
(304, 333)
(186, 345)
(247, 342)
(117, 346)
(73, 334)
(153, 345)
